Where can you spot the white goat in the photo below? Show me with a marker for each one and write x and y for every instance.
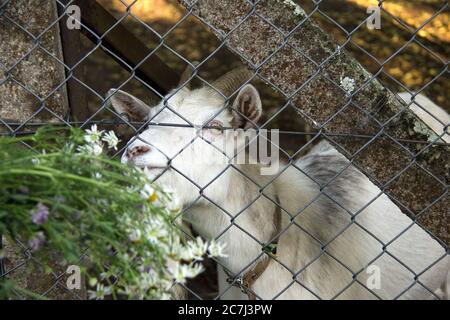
(326, 254)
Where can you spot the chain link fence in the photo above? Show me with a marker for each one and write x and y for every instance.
(60, 58)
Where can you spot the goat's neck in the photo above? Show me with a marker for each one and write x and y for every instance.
(240, 216)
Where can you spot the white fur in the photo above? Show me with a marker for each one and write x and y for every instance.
(225, 197)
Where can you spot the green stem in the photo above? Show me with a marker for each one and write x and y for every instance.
(52, 173)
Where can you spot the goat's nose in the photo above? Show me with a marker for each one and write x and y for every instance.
(137, 151)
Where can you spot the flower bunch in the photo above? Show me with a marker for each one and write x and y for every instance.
(55, 200)
(94, 141)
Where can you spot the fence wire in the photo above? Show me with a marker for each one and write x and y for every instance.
(14, 127)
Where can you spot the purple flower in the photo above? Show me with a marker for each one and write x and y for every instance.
(36, 242)
(39, 215)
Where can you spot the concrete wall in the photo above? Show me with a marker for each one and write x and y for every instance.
(29, 74)
(32, 77)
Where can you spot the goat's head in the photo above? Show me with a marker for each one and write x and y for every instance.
(179, 152)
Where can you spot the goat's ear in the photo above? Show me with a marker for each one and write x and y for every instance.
(247, 107)
(128, 106)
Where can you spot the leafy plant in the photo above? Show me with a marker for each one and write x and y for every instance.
(69, 197)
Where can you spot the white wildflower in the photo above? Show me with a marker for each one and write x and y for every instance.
(82, 149)
(146, 173)
(134, 235)
(184, 254)
(216, 249)
(94, 149)
(100, 292)
(197, 248)
(97, 149)
(149, 193)
(180, 272)
(165, 296)
(35, 161)
(70, 146)
(156, 229)
(98, 175)
(93, 135)
(194, 270)
(348, 84)
(174, 204)
(176, 251)
(111, 139)
(148, 280)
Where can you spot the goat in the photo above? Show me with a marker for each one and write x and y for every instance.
(320, 252)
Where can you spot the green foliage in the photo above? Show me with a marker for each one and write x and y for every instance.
(65, 200)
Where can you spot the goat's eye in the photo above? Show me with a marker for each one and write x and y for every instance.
(216, 126)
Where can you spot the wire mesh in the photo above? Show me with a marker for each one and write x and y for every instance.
(105, 115)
